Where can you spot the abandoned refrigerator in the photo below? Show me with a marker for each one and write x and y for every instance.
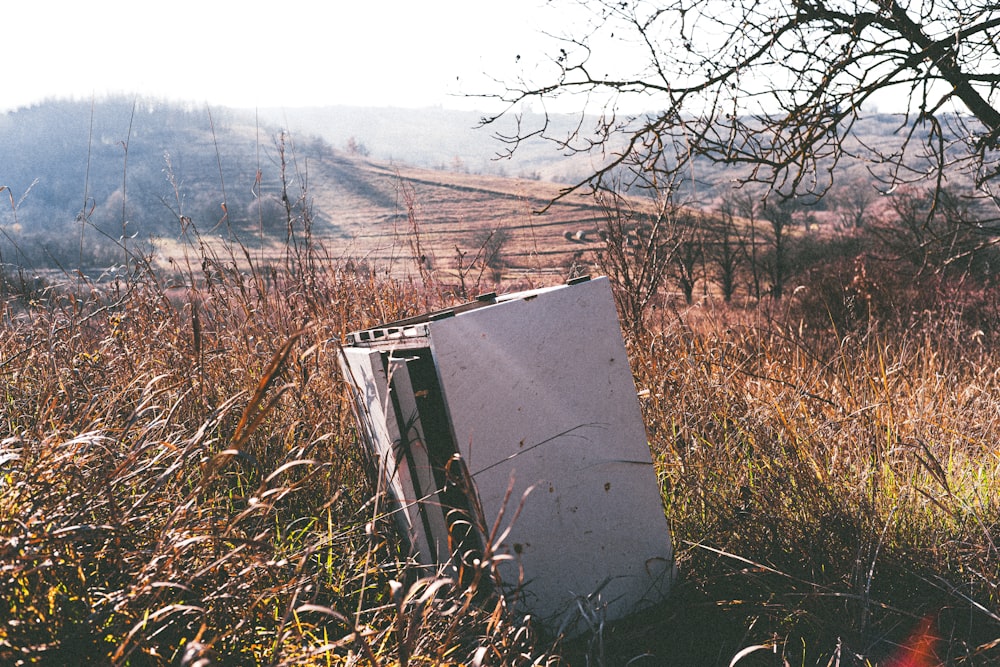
(519, 404)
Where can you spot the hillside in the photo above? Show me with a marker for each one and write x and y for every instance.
(79, 178)
(451, 213)
(413, 191)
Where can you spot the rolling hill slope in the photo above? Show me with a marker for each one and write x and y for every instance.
(382, 210)
(80, 177)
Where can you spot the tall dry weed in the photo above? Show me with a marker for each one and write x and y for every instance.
(829, 489)
(180, 479)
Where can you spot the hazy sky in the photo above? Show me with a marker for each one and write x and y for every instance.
(251, 53)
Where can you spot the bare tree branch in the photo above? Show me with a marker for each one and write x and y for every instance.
(775, 89)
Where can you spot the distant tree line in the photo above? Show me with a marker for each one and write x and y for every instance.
(752, 248)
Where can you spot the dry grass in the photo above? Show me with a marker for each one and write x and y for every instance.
(180, 484)
(829, 490)
(180, 478)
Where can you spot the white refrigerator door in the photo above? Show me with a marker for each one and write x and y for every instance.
(540, 394)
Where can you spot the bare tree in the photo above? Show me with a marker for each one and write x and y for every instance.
(773, 87)
(853, 202)
(689, 253)
(780, 215)
(937, 232)
(639, 247)
(722, 247)
(745, 203)
(491, 244)
(355, 147)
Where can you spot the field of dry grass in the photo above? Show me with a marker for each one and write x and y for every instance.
(181, 482)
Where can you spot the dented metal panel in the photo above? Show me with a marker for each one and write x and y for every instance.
(538, 397)
(540, 392)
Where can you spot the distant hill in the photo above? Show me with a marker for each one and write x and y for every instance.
(437, 138)
(78, 177)
(105, 171)
(450, 140)
(381, 186)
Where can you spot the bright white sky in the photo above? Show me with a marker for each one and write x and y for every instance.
(285, 53)
(255, 53)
